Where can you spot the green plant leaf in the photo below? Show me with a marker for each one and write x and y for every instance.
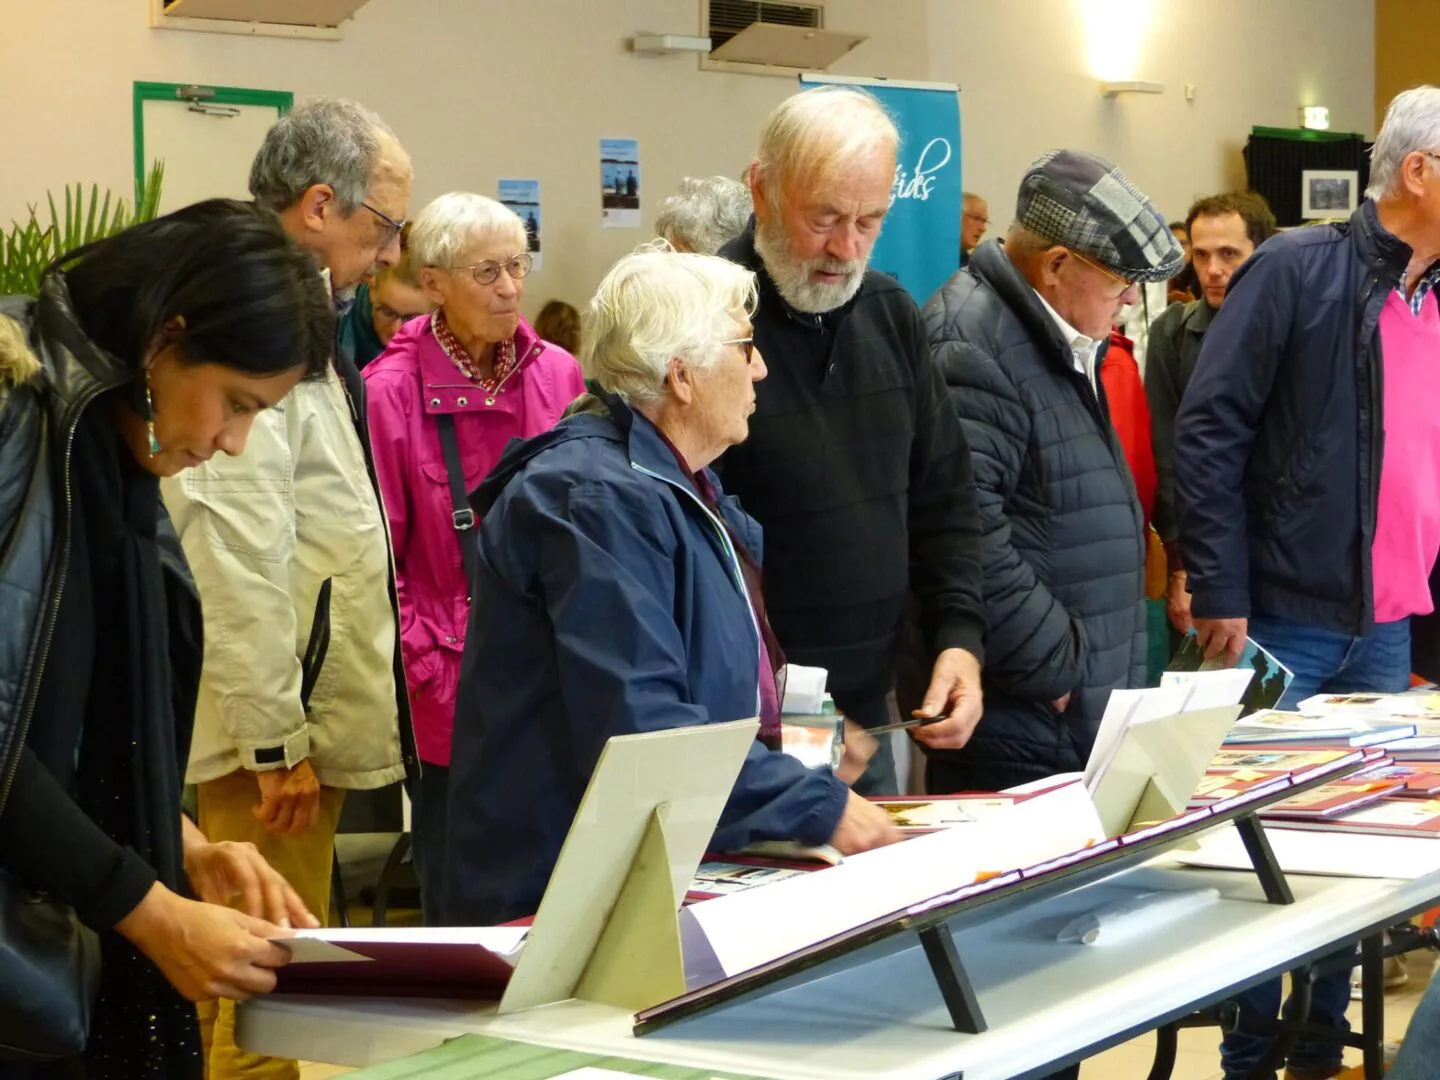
(28, 249)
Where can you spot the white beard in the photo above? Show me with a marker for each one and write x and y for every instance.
(792, 276)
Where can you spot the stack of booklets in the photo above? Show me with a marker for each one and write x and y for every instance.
(1240, 771)
(1324, 729)
(1386, 817)
(1420, 708)
(1329, 801)
(1398, 796)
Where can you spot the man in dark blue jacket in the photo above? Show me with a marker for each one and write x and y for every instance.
(1019, 335)
(1307, 466)
(618, 591)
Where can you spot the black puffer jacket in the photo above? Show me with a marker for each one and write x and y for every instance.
(1064, 542)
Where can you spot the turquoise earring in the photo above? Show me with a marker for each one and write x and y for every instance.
(150, 418)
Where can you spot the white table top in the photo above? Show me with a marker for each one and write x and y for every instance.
(879, 1015)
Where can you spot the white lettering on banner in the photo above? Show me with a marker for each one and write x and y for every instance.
(918, 185)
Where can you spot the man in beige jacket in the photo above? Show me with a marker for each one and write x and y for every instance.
(289, 550)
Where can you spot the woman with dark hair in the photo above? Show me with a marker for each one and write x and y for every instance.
(144, 354)
(559, 324)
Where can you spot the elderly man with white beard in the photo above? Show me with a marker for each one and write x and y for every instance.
(856, 466)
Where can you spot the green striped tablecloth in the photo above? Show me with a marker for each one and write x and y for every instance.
(500, 1059)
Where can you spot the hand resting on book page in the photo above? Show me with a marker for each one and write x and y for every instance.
(863, 826)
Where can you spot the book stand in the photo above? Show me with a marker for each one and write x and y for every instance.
(608, 929)
(930, 921)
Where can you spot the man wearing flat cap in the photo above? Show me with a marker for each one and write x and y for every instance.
(1019, 335)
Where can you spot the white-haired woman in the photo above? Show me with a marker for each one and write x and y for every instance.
(705, 214)
(618, 591)
(448, 393)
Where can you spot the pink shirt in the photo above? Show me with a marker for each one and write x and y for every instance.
(1407, 525)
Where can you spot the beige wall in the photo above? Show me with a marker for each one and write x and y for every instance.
(479, 89)
(476, 89)
(1024, 67)
(1405, 35)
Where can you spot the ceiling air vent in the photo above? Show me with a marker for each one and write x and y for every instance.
(772, 38)
(268, 18)
(729, 17)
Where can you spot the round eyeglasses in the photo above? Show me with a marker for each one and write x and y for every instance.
(486, 273)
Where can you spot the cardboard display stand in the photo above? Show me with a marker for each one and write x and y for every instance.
(608, 927)
(1157, 765)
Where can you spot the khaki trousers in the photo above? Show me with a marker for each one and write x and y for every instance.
(304, 861)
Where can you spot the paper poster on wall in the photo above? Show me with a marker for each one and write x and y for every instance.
(523, 197)
(620, 183)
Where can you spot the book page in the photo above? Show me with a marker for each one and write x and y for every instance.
(751, 928)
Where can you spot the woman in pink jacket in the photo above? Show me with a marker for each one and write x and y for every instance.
(444, 398)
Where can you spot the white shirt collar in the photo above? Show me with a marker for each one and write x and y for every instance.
(1082, 348)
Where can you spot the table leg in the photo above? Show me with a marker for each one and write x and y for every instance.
(1372, 1004)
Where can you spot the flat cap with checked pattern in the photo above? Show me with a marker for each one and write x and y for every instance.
(1082, 202)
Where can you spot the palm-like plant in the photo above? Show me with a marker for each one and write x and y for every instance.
(26, 250)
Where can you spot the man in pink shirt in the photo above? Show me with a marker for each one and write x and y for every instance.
(1307, 450)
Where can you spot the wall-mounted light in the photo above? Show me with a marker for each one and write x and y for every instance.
(1131, 86)
(1114, 34)
(1315, 117)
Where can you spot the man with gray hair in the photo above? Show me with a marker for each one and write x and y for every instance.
(1019, 334)
(704, 215)
(1307, 468)
(855, 464)
(298, 698)
(974, 220)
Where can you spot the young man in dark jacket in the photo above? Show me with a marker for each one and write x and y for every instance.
(855, 466)
(1307, 466)
(1225, 230)
(1019, 335)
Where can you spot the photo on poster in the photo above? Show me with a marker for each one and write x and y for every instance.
(523, 197)
(620, 183)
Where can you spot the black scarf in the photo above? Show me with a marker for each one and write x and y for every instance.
(126, 656)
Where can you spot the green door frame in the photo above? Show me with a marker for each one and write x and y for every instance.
(281, 100)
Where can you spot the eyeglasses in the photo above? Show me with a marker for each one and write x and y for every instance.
(485, 273)
(392, 227)
(1124, 282)
(385, 311)
(748, 342)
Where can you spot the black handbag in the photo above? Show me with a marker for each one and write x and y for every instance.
(49, 976)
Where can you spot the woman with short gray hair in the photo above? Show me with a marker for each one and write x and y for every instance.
(704, 215)
(448, 393)
(618, 591)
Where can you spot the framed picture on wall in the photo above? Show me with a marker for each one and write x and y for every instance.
(1328, 193)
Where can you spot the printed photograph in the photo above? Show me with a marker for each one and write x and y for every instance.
(620, 183)
(1328, 193)
(523, 197)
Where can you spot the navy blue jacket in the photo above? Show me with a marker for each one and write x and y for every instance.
(1063, 538)
(607, 602)
(1279, 438)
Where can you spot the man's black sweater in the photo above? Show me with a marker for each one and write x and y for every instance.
(857, 469)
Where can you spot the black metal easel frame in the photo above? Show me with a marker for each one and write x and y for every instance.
(955, 986)
(959, 994)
